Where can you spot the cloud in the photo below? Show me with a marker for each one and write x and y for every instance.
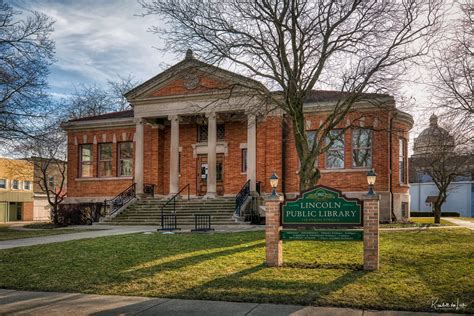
(96, 40)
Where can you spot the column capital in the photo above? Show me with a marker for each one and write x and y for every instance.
(174, 117)
(211, 115)
(139, 120)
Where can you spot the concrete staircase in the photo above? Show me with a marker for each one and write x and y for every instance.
(147, 211)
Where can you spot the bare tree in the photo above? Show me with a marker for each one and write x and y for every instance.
(444, 157)
(47, 153)
(453, 68)
(296, 46)
(91, 100)
(26, 51)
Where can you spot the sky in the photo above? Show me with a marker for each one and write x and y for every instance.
(98, 40)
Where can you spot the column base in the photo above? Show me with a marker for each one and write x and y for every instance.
(210, 196)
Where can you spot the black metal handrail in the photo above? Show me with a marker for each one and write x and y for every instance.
(241, 197)
(173, 198)
(121, 199)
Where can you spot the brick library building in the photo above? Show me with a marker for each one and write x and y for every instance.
(186, 135)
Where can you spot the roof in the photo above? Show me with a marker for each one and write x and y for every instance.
(106, 116)
(333, 95)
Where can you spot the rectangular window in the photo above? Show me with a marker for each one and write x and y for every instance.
(335, 153)
(27, 185)
(3, 183)
(15, 184)
(85, 161)
(243, 160)
(203, 132)
(51, 183)
(361, 148)
(125, 156)
(401, 160)
(105, 160)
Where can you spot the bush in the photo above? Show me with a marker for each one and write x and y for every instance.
(79, 213)
(430, 214)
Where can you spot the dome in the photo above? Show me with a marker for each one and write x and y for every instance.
(432, 136)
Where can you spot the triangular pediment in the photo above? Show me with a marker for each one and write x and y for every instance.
(191, 77)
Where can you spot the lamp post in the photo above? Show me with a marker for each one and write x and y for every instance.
(371, 176)
(274, 183)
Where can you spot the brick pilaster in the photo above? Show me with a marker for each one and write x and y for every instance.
(273, 244)
(371, 232)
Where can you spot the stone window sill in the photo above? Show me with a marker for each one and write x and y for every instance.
(345, 170)
(404, 185)
(104, 179)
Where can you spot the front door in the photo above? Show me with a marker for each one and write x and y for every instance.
(203, 171)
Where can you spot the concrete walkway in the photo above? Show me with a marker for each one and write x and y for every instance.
(460, 222)
(87, 233)
(49, 303)
(108, 230)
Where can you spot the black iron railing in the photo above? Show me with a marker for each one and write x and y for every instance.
(173, 199)
(202, 223)
(241, 197)
(149, 189)
(120, 200)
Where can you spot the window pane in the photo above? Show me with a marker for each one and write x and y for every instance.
(361, 148)
(15, 184)
(105, 151)
(335, 154)
(311, 136)
(86, 170)
(126, 150)
(335, 159)
(3, 184)
(202, 133)
(220, 131)
(105, 168)
(27, 185)
(126, 167)
(219, 171)
(86, 153)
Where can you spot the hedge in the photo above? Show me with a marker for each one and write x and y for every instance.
(430, 214)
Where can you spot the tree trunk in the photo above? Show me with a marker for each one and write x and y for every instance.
(55, 215)
(437, 213)
(309, 174)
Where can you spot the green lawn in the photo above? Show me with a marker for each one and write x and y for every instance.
(418, 222)
(416, 267)
(8, 233)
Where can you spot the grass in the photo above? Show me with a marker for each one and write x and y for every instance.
(416, 267)
(9, 233)
(418, 222)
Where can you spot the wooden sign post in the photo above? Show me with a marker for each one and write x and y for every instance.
(329, 215)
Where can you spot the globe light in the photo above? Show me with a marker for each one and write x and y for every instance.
(274, 183)
(371, 177)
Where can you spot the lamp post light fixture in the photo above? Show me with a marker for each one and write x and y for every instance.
(274, 183)
(371, 176)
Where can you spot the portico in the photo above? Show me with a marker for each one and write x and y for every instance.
(210, 149)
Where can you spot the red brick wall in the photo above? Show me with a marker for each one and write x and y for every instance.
(27, 211)
(95, 187)
(350, 179)
(269, 157)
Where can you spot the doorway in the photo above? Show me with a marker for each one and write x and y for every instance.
(202, 171)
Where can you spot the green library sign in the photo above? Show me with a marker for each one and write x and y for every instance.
(322, 206)
(325, 235)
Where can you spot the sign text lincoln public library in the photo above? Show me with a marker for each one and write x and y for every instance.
(322, 206)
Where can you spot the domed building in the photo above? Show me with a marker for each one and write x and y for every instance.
(437, 141)
(432, 137)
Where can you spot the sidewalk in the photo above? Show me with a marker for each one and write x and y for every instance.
(48, 303)
(460, 222)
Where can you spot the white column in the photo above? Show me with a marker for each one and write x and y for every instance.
(211, 155)
(252, 151)
(174, 154)
(139, 147)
